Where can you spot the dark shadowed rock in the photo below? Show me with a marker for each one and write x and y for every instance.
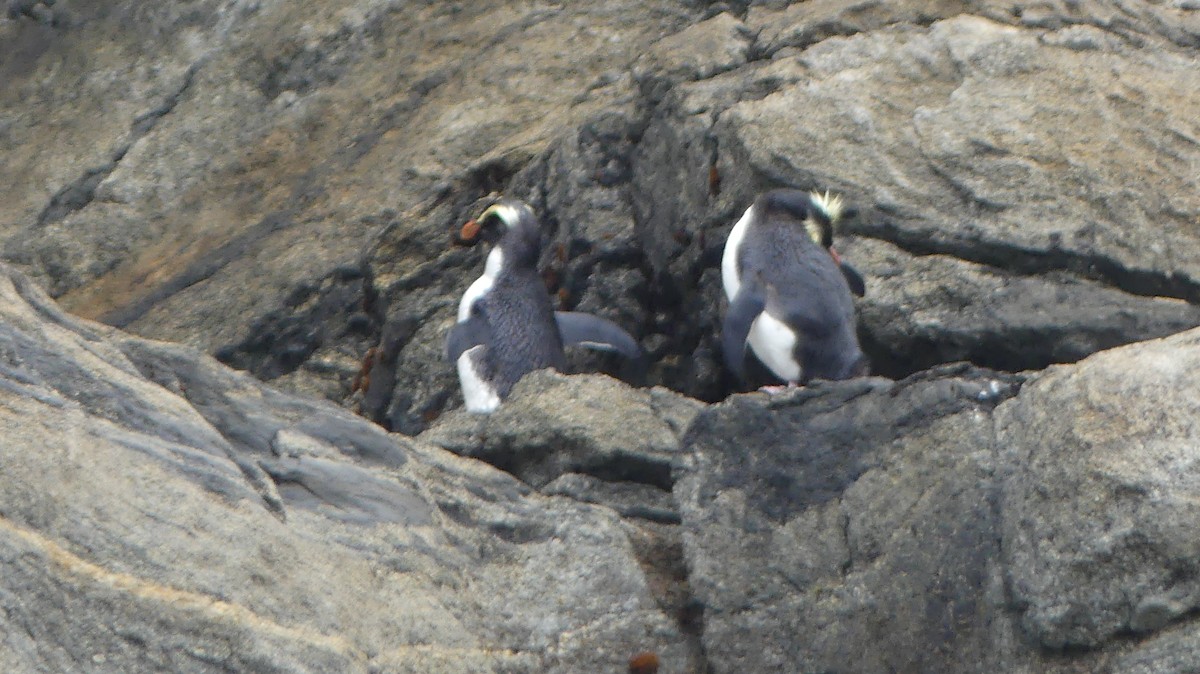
(630, 499)
(923, 310)
(958, 520)
(44, 12)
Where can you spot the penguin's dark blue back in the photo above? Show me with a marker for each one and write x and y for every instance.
(798, 270)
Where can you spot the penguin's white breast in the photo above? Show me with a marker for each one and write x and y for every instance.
(729, 269)
(770, 338)
(478, 393)
(774, 342)
(482, 285)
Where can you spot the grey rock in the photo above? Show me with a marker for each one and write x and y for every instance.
(276, 185)
(630, 499)
(710, 47)
(43, 12)
(1101, 499)
(346, 492)
(923, 310)
(1174, 650)
(959, 520)
(989, 150)
(282, 197)
(890, 106)
(241, 105)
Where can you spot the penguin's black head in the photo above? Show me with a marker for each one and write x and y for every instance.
(833, 360)
(818, 213)
(509, 224)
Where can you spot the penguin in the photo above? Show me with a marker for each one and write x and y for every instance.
(789, 292)
(507, 325)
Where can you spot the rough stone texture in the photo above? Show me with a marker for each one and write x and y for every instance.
(1007, 136)
(553, 425)
(214, 161)
(1101, 508)
(930, 309)
(159, 512)
(814, 547)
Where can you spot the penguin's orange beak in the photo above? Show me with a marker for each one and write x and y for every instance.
(469, 231)
(834, 254)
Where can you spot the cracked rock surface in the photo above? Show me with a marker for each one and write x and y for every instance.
(161, 512)
(840, 553)
(587, 424)
(1090, 493)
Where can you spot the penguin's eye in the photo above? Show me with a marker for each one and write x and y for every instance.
(819, 231)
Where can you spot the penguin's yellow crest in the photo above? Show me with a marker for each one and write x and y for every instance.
(831, 204)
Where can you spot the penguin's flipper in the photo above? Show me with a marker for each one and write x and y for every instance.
(596, 333)
(465, 335)
(743, 310)
(854, 279)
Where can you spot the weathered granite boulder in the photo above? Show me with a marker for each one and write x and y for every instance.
(161, 512)
(815, 545)
(276, 183)
(556, 431)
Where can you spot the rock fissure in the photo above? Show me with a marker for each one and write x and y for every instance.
(201, 270)
(77, 195)
(1025, 261)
